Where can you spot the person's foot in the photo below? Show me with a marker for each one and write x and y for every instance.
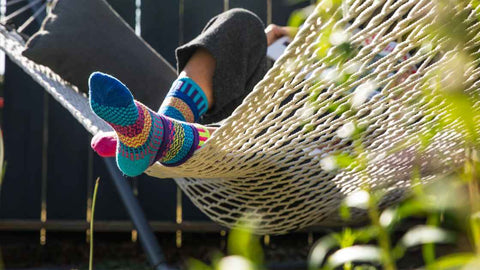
(143, 135)
(185, 101)
(104, 144)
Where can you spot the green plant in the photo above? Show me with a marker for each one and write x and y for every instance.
(453, 107)
(451, 201)
(244, 252)
(90, 260)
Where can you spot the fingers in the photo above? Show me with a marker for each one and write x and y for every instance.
(269, 32)
(275, 32)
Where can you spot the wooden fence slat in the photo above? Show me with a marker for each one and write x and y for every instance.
(68, 147)
(160, 26)
(258, 7)
(157, 198)
(196, 14)
(108, 205)
(126, 10)
(22, 130)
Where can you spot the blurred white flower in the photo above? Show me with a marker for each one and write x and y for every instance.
(377, 157)
(339, 37)
(290, 66)
(387, 217)
(315, 152)
(426, 48)
(235, 262)
(328, 163)
(352, 67)
(358, 199)
(422, 234)
(330, 75)
(305, 112)
(346, 130)
(363, 92)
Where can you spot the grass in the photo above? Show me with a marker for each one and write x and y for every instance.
(95, 191)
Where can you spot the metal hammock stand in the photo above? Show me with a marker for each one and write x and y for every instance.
(268, 159)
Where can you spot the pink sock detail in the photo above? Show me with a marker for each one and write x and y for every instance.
(105, 144)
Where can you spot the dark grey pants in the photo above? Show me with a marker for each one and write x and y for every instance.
(237, 41)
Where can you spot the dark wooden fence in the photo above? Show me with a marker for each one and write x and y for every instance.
(51, 169)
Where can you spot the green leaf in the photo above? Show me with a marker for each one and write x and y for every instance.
(475, 227)
(346, 238)
(366, 234)
(308, 128)
(193, 264)
(364, 267)
(345, 160)
(344, 211)
(296, 19)
(455, 261)
(242, 242)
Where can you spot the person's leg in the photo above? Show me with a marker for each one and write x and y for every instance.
(178, 104)
(222, 64)
(201, 68)
(237, 42)
(191, 95)
(144, 136)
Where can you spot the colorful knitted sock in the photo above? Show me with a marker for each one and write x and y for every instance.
(144, 136)
(185, 101)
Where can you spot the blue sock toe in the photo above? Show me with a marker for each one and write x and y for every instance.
(108, 91)
(111, 100)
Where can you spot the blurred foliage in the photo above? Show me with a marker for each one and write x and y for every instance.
(452, 201)
(244, 253)
(445, 92)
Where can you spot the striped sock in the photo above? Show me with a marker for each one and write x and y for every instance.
(203, 135)
(185, 101)
(144, 136)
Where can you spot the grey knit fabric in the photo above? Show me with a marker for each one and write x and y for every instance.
(237, 41)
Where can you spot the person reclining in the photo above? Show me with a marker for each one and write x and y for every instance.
(217, 70)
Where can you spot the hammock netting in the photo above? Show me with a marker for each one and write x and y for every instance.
(271, 161)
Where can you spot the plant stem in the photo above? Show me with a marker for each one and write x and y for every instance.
(474, 196)
(428, 250)
(373, 211)
(383, 237)
(90, 261)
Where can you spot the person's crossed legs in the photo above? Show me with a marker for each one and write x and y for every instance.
(145, 136)
(188, 99)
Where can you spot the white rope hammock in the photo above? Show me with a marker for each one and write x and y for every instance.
(271, 159)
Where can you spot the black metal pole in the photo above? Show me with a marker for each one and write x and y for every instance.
(147, 238)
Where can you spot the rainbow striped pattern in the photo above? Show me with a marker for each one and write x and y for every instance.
(144, 136)
(203, 135)
(185, 101)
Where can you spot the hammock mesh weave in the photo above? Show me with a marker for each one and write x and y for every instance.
(268, 161)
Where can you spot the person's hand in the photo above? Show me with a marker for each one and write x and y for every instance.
(275, 32)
